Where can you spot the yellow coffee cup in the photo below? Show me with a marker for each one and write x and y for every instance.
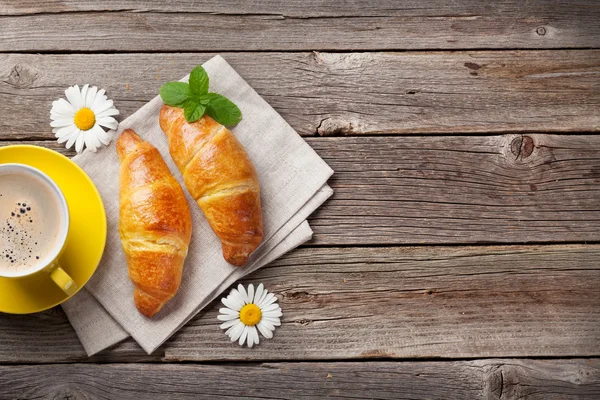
(52, 241)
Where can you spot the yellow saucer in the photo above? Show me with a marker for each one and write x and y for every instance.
(85, 241)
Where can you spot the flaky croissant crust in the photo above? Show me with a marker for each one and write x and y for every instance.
(220, 177)
(155, 223)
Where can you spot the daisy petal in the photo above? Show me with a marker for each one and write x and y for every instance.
(62, 108)
(270, 307)
(98, 100)
(243, 336)
(89, 142)
(84, 91)
(258, 294)
(273, 313)
(102, 107)
(265, 325)
(102, 136)
(73, 137)
(266, 300)
(62, 132)
(107, 122)
(228, 324)
(236, 331)
(60, 122)
(230, 303)
(243, 293)
(91, 95)
(227, 317)
(97, 141)
(231, 293)
(237, 298)
(273, 320)
(108, 113)
(66, 136)
(74, 96)
(250, 337)
(255, 334)
(79, 143)
(264, 330)
(228, 311)
(250, 293)
(262, 298)
(269, 302)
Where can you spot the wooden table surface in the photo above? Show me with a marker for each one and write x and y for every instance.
(460, 254)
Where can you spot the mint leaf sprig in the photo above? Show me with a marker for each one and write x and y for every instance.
(196, 101)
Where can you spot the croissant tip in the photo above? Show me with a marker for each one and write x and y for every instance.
(238, 260)
(127, 142)
(147, 305)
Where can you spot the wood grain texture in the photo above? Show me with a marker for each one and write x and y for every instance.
(458, 190)
(370, 303)
(296, 25)
(499, 379)
(337, 93)
(509, 188)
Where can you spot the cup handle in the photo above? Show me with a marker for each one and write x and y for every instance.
(63, 281)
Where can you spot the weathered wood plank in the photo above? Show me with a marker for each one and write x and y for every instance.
(510, 188)
(346, 303)
(296, 25)
(308, 8)
(501, 379)
(431, 190)
(335, 93)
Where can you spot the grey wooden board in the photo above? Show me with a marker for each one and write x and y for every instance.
(296, 25)
(369, 303)
(462, 189)
(498, 379)
(337, 93)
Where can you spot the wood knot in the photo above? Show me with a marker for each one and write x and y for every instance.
(473, 66)
(22, 76)
(541, 31)
(494, 382)
(522, 147)
(297, 295)
(338, 126)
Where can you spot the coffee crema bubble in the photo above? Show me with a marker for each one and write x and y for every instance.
(30, 221)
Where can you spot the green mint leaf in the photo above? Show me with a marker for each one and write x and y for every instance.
(174, 93)
(199, 81)
(193, 110)
(222, 110)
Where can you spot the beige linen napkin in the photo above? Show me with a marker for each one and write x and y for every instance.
(293, 184)
(97, 330)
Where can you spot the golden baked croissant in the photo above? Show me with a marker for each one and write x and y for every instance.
(220, 177)
(155, 223)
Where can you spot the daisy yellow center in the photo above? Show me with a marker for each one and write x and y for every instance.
(85, 119)
(250, 314)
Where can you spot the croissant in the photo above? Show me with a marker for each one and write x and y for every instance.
(155, 223)
(220, 177)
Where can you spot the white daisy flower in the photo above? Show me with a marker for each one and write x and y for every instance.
(79, 119)
(248, 312)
